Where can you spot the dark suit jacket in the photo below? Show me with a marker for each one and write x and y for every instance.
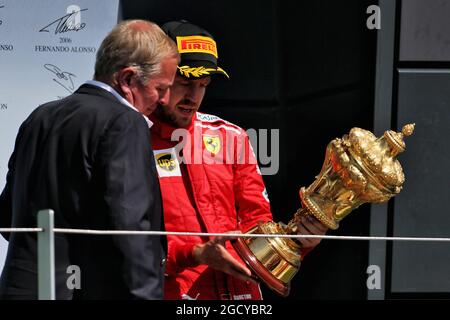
(88, 157)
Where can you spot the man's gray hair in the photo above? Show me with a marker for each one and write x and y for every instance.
(137, 43)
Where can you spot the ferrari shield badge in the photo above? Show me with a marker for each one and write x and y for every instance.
(212, 143)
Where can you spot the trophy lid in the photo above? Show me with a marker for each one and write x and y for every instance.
(377, 156)
(395, 139)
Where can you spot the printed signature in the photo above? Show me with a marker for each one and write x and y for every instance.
(66, 23)
(63, 78)
(1, 6)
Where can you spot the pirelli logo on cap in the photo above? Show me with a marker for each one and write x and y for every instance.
(197, 44)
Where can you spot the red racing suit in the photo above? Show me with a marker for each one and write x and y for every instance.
(210, 182)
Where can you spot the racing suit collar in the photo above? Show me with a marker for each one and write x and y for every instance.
(165, 130)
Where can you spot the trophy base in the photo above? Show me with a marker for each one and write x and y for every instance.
(259, 269)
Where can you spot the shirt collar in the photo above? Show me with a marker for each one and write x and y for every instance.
(110, 89)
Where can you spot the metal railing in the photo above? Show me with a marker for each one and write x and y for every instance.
(46, 248)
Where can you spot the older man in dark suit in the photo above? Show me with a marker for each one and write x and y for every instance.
(88, 158)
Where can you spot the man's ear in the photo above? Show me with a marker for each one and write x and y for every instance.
(125, 80)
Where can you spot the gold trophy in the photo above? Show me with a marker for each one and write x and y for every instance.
(358, 168)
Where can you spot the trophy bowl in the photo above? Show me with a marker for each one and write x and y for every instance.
(358, 168)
